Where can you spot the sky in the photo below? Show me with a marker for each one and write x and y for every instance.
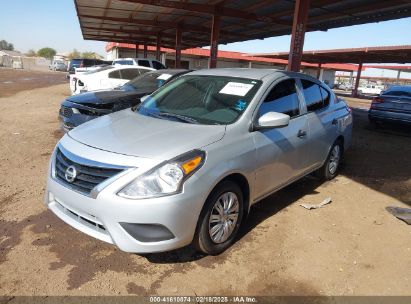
(32, 24)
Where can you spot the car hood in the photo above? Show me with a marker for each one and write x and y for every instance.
(129, 133)
(105, 97)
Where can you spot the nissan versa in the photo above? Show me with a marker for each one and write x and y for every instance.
(186, 165)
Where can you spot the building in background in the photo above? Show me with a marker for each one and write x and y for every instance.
(197, 58)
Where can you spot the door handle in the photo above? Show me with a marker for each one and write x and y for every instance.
(334, 122)
(301, 133)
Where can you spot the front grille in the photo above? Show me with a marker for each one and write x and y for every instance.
(87, 177)
(65, 111)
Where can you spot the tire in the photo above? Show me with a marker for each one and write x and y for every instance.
(209, 239)
(330, 168)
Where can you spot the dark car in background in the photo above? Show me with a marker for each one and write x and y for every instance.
(84, 62)
(393, 105)
(80, 108)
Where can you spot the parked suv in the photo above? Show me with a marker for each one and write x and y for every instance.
(83, 63)
(187, 164)
(149, 63)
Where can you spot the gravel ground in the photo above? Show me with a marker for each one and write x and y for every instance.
(350, 247)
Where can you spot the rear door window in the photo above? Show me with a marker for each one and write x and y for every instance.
(282, 98)
(144, 63)
(312, 95)
(129, 73)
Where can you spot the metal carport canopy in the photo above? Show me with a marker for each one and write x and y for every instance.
(197, 23)
(383, 54)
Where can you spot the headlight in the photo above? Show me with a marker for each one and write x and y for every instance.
(165, 179)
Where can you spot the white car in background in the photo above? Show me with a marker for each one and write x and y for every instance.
(145, 62)
(370, 89)
(105, 78)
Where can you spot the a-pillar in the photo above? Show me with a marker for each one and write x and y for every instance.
(215, 31)
(297, 35)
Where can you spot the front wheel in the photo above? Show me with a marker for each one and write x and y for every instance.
(330, 168)
(220, 219)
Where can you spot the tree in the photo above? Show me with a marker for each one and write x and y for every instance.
(31, 53)
(74, 54)
(46, 52)
(90, 55)
(4, 45)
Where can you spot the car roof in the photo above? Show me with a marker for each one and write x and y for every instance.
(120, 66)
(258, 74)
(171, 71)
(399, 87)
(138, 58)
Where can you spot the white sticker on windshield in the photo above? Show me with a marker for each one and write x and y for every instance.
(164, 76)
(236, 88)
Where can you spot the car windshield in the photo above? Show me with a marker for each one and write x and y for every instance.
(201, 99)
(148, 82)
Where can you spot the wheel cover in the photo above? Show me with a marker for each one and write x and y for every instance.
(334, 159)
(223, 218)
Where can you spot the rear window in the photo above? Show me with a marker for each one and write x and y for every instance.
(114, 74)
(129, 73)
(124, 62)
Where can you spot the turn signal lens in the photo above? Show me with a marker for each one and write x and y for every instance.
(191, 165)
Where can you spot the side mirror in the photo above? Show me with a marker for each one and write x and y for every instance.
(144, 98)
(272, 120)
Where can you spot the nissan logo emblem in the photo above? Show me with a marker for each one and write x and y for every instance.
(70, 174)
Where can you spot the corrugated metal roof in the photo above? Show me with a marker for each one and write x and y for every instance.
(141, 20)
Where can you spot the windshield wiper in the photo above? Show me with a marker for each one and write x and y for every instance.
(179, 117)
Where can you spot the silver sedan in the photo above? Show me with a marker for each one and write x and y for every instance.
(187, 164)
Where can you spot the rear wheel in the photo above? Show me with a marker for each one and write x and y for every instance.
(220, 219)
(330, 168)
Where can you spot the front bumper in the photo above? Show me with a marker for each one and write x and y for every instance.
(103, 217)
(68, 123)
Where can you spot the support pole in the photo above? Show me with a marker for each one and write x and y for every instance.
(158, 47)
(178, 48)
(357, 80)
(319, 71)
(297, 34)
(137, 46)
(215, 31)
(145, 49)
(398, 76)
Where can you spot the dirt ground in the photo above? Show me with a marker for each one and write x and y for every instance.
(350, 247)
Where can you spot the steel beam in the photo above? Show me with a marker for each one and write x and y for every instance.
(165, 25)
(215, 31)
(178, 48)
(209, 9)
(297, 34)
(158, 46)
